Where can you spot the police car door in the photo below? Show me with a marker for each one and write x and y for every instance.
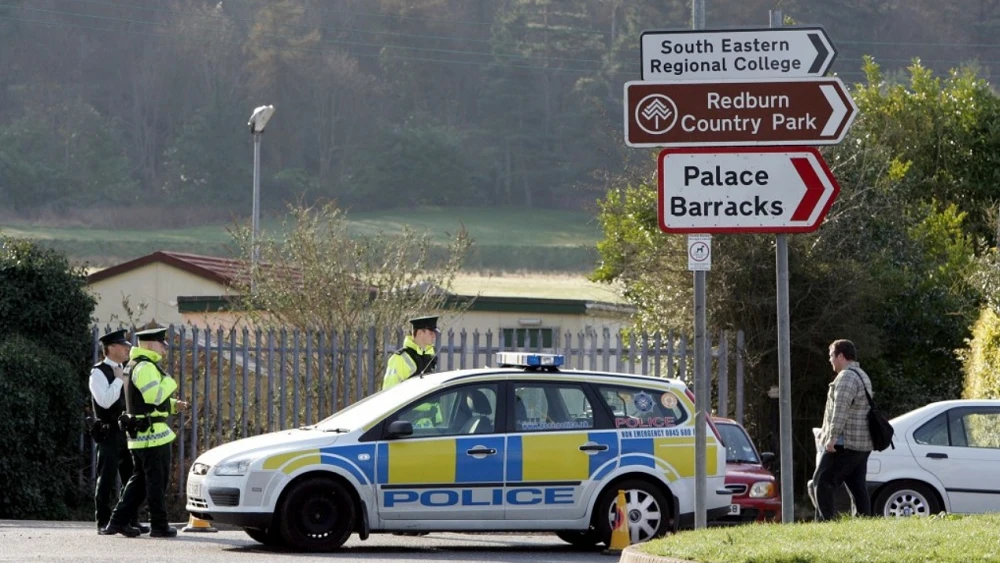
(451, 468)
(555, 455)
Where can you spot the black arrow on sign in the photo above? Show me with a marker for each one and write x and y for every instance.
(821, 53)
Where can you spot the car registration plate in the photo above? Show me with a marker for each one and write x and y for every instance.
(194, 490)
(734, 510)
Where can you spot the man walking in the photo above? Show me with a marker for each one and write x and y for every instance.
(844, 436)
(149, 403)
(113, 458)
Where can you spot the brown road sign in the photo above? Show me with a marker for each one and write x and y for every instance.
(806, 111)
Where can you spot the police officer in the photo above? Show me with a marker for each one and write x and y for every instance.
(416, 357)
(113, 458)
(148, 401)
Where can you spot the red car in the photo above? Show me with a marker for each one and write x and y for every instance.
(756, 497)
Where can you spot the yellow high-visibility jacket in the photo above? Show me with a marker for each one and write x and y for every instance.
(148, 385)
(401, 366)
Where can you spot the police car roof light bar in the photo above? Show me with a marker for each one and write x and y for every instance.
(529, 361)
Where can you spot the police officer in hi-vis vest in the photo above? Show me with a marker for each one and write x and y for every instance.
(113, 458)
(416, 357)
(148, 395)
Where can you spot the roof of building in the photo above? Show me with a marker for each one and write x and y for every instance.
(225, 271)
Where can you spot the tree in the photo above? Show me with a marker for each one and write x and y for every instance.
(63, 157)
(45, 344)
(319, 276)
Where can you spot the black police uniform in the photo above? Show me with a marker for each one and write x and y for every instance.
(114, 461)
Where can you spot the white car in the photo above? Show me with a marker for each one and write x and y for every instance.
(947, 458)
(523, 446)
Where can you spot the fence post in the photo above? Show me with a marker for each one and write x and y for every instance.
(372, 360)
(335, 373)
(246, 382)
(295, 377)
(219, 341)
(307, 392)
(195, 405)
(231, 426)
(724, 375)
(682, 360)
(270, 379)
(739, 376)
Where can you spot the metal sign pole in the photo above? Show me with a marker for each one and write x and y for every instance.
(784, 363)
(700, 369)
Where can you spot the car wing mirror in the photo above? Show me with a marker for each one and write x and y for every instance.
(766, 458)
(399, 428)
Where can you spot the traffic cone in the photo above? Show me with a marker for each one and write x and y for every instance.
(620, 538)
(198, 525)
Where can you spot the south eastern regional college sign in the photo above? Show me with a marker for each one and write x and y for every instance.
(805, 111)
(743, 190)
(791, 52)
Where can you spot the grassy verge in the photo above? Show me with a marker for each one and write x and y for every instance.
(951, 538)
(505, 239)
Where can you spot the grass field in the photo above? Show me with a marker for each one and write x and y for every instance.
(942, 539)
(505, 239)
(552, 286)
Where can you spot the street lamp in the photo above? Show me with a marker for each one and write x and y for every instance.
(257, 123)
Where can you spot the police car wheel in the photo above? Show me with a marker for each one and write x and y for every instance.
(267, 536)
(582, 540)
(646, 511)
(317, 514)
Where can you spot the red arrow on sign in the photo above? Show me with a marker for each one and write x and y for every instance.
(743, 190)
(814, 189)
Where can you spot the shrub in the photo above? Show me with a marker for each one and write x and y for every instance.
(981, 360)
(44, 348)
(40, 398)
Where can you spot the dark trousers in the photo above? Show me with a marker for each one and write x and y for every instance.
(149, 479)
(837, 468)
(113, 462)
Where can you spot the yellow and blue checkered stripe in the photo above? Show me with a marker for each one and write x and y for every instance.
(530, 457)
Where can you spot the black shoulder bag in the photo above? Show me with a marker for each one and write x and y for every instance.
(878, 425)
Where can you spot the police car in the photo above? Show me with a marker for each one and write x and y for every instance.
(524, 446)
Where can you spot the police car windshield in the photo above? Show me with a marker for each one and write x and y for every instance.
(374, 406)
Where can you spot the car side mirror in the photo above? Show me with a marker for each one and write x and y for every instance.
(400, 428)
(766, 459)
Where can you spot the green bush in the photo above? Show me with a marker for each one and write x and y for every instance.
(40, 398)
(44, 357)
(45, 299)
(981, 360)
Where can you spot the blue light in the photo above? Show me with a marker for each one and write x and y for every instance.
(521, 359)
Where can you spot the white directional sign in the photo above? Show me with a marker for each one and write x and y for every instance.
(782, 52)
(743, 190)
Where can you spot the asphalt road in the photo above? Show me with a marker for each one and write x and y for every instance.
(78, 542)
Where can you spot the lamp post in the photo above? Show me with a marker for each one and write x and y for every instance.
(257, 123)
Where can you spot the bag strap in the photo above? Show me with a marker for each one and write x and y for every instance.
(871, 403)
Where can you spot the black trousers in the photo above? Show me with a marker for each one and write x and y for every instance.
(149, 480)
(113, 462)
(840, 467)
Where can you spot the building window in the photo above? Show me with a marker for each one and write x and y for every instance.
(530, 338)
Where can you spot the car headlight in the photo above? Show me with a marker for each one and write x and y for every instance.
(762, 489)
(233, 468)
(199, 469)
